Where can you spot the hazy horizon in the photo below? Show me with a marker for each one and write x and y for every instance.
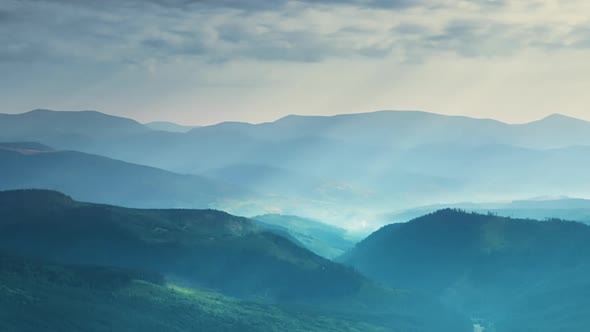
(294, 165)
(185, 123)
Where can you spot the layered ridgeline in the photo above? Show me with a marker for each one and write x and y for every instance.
(169, 127)
(385, 128)
(520, 275)
(325, 240)
(211, 250)
(99, 179)
(576, 209)
(67, 129)
(345, 168)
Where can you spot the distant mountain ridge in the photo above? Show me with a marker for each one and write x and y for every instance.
(104, 180)
(169, 126)
(575, 209)
(345, 169)
(402, 128)
(397, 127)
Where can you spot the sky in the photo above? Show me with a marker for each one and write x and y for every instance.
(206, 61)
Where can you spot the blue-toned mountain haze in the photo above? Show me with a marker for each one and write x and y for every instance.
(348, 170)
(294, 166)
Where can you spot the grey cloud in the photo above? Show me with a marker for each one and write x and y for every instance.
(411, 29)
(481, 38)
(135, 31)
(248, 5)
(22, 52)
(581, 36)
(5, 16)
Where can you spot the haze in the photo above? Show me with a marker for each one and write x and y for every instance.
(294, 165)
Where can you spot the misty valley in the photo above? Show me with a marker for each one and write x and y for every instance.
(386, 221)
(294, 166)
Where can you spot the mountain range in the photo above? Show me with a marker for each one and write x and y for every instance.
(347, 170)
(175, 267)
(515, 274)
(103, 180)
(102, 215)
(196, 250)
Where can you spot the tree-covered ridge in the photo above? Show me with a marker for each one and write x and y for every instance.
(38, 296)
(204, 247)
(207, 249)
(483, 265)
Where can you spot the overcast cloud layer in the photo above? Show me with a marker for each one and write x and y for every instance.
(204, 61)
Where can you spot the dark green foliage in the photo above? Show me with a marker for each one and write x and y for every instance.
(483, 265)
(561, 307)
(36, 296)
(208, 248)
(204, 249)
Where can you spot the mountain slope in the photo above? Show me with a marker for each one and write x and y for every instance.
(101, 133)
(481, 264)
(325, 240)
(67, 129)
(346, 169)
(39, 296)
(205, 249)
(219, 245)
(103, 180)
(561, 307)
(575, 209)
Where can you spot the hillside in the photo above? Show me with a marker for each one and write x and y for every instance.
(67, 130)
(575, 209)
(561, 307)
(39, 296)
(201, 247)
(98, 179)
(324, 240)
(483, 265)
(204, 249)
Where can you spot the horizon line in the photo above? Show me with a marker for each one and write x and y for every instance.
(308, 116)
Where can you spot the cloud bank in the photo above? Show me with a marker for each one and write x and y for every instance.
(250, 42)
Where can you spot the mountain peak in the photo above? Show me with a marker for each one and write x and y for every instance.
(560, 117)
(74, 115)
(446, 213)
(48, 112)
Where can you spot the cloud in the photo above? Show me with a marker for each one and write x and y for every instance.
(144, 31)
